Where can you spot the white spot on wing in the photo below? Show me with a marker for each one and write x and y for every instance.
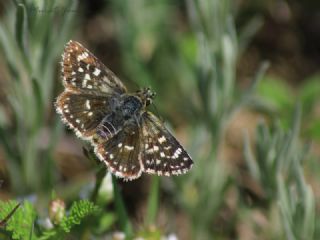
(82, 56)
(161, 139)
(150, 150)
(88, 104)
(129, 148)
(176, 153)
(96, 72)
(87, 77)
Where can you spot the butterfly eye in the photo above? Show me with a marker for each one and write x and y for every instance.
(148, 101)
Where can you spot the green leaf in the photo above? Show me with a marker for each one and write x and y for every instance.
(276, 92)
(9, 48)
(21, 26)
(78, 211)
(309, 93)
(313, 129)
(21, 222)
(21, 32)
(250, 158)
(38, 103)
(188, 48)
(249, 30)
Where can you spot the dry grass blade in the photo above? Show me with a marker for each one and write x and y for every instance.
(6, 219)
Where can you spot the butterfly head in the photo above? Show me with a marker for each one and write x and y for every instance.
(146, 95)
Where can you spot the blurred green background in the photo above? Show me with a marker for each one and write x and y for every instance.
(237, 82)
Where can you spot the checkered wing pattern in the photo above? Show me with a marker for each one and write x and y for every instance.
(82, 112)
(81, 70)
(161, 153)
(121, 153)
(89, 86)
(96, 105)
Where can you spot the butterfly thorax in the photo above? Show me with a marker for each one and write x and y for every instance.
(132, 105)
(130, 108)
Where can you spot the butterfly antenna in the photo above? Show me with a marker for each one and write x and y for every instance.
(157, 112)
(136, 85)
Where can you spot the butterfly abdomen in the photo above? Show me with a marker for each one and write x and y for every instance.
(125, 110)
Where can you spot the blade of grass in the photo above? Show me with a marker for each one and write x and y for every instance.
(99, 178)
(21, 27)
(153, 200)
(121, 210)
(38, 103)
(21, 34)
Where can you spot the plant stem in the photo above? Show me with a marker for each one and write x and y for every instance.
(124, 221)
(153, 200)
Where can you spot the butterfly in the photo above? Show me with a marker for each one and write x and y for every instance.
(124, 135)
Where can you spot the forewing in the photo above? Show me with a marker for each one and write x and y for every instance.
(82, 112)
(121, 152)
(82, 71)
(161, 153)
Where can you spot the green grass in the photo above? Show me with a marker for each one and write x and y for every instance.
(31, 43)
